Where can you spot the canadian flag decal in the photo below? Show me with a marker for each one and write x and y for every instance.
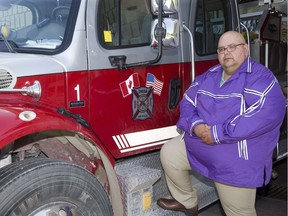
(127, 86)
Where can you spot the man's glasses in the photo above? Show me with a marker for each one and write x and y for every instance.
(229, 48)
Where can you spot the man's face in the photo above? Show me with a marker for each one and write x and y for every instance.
(232, 51)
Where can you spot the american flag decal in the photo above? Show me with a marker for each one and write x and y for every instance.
(153, 82)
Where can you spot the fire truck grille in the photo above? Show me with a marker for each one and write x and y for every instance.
(5, 79)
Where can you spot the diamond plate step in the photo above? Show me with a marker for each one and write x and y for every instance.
(143, 183)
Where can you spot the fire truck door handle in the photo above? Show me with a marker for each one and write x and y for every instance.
(119, 61)
(174, 92)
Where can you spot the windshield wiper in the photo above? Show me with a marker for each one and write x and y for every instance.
(7, 43)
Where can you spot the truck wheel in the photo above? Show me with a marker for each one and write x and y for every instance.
(42, 187)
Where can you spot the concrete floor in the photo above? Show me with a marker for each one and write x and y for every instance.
(265, 206)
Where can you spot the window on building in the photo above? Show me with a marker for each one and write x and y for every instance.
(124, 23)
(16, 17)
(209, 26)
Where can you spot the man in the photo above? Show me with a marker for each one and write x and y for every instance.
(231, 117)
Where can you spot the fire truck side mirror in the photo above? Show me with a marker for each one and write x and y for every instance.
(169, 7)
(171, 31)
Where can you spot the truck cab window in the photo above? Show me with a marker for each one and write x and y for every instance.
(35, 25)
(210, 24)
(126, 23)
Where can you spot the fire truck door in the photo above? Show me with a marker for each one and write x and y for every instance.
(129, 108)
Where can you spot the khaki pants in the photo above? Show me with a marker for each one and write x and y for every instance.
(236, 201)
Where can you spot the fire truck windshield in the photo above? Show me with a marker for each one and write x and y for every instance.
(34, 24)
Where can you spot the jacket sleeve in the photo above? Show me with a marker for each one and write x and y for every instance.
(264, 110)
(189, 117)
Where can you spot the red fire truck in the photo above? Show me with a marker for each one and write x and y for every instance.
(89, 91)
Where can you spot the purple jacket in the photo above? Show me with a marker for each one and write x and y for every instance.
(245, 115)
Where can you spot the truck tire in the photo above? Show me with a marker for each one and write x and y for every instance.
(41, 186)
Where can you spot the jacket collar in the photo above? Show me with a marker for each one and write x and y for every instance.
(245, 67)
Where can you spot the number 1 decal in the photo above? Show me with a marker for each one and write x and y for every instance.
(78, 102)
(77, 89)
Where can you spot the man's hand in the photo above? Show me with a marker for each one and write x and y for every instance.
(203, 132)
(199, 129)
(206, 137)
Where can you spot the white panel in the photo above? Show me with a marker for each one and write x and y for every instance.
(151, 136)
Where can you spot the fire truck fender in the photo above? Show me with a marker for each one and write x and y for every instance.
(22, 120)
(25, 127)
